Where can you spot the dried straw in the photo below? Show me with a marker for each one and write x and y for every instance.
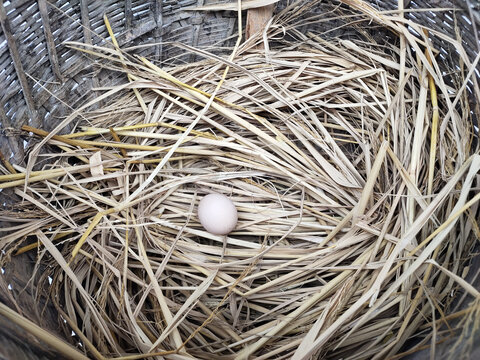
(349, 164)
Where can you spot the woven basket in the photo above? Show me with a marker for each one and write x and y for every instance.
(41, 80)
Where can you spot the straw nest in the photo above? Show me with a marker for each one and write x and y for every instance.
(349, 163)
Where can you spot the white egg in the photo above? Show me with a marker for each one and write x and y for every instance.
(217, 214)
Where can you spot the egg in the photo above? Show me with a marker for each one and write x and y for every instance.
(217, 214)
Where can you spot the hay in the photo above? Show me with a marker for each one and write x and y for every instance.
(355, 216)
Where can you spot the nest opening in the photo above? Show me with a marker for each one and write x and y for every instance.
(351, 168)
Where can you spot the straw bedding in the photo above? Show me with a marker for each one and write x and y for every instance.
(349, 163)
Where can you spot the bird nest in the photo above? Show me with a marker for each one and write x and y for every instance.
(349, 165)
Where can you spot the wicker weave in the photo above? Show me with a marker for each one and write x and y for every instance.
(41, 79)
